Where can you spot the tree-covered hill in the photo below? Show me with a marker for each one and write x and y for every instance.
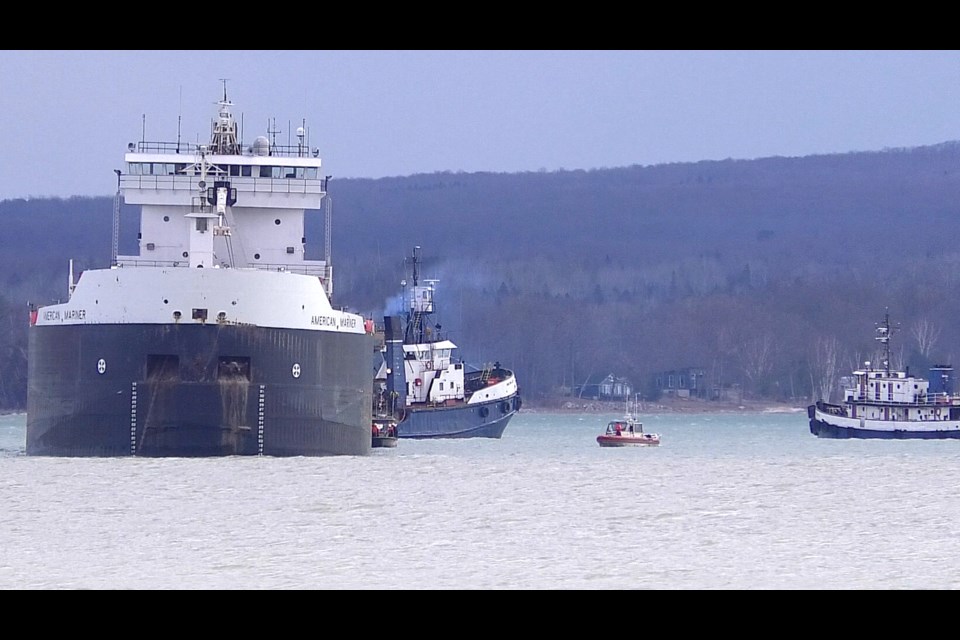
(762, 271)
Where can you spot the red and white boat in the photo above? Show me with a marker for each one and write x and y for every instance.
(627, 432)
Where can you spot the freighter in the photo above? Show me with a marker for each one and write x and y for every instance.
(426, 388)
(219, 338)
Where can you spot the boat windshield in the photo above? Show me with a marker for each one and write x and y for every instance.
(618, 426)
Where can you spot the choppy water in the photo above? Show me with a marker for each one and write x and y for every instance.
(727, 501)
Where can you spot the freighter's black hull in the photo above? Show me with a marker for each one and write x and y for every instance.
(196, 390)
(486, 420)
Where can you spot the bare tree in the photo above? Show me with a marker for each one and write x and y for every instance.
(757, 355)
(823, 367)
(926, 334)
(899, 359)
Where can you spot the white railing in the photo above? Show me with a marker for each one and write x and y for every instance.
(318, 270)
(932, 399)
(240, 183)
(190, 148)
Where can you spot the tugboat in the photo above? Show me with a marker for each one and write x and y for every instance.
(219, 337)
(890, 404)
(434, 392)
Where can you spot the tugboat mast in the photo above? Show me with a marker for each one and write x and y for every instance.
(419, 306)
(884, 331)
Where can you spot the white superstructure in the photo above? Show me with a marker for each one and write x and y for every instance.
(235, 212)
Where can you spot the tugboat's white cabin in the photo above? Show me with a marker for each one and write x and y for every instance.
(880, 394)
(880, 385)
(431, 374)
(223, 205)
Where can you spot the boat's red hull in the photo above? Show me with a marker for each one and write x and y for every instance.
(628, 441)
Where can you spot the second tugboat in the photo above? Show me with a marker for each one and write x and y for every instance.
(219, 338)
(889, 404)
(431, 393)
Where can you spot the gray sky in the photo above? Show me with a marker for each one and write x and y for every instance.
(68, 115)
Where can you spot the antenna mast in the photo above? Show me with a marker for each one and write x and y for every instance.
(114, 247)
(273, 131)
(884, 331)
(416, 265)
(328, 230)
(179, 118)
(327, 237)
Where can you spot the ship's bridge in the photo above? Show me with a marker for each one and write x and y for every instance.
(200, 209)
(170, 178)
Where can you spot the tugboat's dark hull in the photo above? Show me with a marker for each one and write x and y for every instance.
(484, 420)
(822, 428)
(194, 390)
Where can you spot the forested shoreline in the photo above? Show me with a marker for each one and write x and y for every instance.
(769, 273)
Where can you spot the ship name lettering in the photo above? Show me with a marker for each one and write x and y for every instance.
(56, 315)
(326, 321)
(348, 322)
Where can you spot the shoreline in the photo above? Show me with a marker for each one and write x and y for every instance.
(669, 405)
(664, 405)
